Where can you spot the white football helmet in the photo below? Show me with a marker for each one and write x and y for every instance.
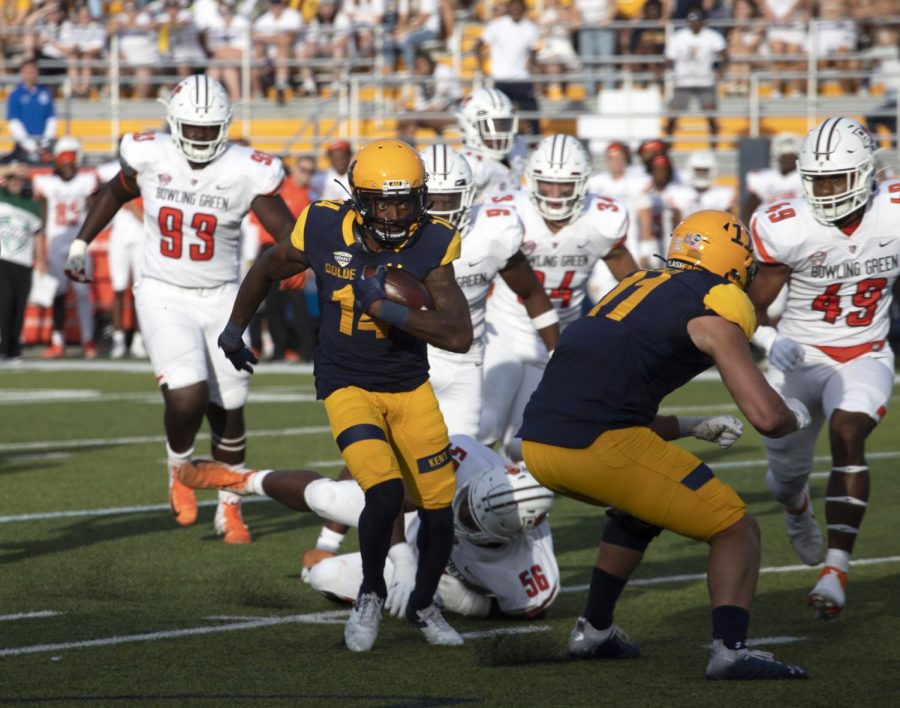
(449, 173)
(560, 160)
(68, 144)
(785, 144)
(199, 100)
(839, 146)
(701, 169)
(488, 123)
(498, 504)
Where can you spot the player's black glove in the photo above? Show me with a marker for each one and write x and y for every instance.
(369, 290)
(232, 343)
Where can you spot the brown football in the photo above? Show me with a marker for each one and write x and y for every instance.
(405, 289)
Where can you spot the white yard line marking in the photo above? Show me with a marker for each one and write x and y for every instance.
(36, 456)
(324, 463)
(142, 439)
(315, 618)
(530, 629)
(702, 576)
(767, 641)
(761, 462)
(18, 397)
(29, 615)
(113, 511)
(134, 367)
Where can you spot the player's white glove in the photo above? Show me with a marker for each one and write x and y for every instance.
(784, 353)
(75, 266)
(800, 412)
(454, 596)
(722, 429)
(404, 579)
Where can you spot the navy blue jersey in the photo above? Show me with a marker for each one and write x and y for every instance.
(614, 366)
(354, 349)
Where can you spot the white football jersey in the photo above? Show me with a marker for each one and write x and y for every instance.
(840, 286)
(192, 218)
(522, 574)
(717, 197)
(562, 261)
(125, 225)
(493, 237)
(667, 208)
(627, 190)
(490, 175)
(770, 186)
(66, 202)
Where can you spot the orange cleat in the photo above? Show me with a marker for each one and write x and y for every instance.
(230, 523)
(182, 500)
(89, 351)
(209, 474)
(54, 351)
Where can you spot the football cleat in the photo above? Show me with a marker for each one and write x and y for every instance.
(182, 500)
(829, 594)
(361, 629)
(209, 474)
(748, 665)
(585, 642)
(89, 351)
(118, 350)
(433, 625)
(804, 533)
(54, 351)
(310, 558)
(230, 524)
(137, 346)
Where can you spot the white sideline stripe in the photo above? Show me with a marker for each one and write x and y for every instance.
(143, 439)
(136, 367)
(316, 618)
(765, 641)
(37, 456)
(42, 516)
(702, 576)
(29, 615)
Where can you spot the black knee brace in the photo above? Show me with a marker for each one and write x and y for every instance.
(628, 531)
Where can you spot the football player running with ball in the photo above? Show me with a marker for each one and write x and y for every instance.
(838, 250)
(196, 187)
(591, 431)
(371, 367)
(567, 231)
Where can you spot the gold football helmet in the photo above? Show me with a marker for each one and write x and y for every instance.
(715, 241)
(387, 186)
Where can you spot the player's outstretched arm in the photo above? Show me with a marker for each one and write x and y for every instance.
(521, 279)
(768, 412)
(448, 326)
(111, 197)
(721, 429)
(274, 216)
(621, 262)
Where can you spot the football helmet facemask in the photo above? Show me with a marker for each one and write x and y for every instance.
(557, 175)
(199, 101)
(701, 169)
(449, 174)
(488, 123)
(387, 186)
(838, 147)
(498, 504)
(715, 241)
(67, 150)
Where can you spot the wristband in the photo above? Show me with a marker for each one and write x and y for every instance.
(233, 333)
(393, 313)
(764, 337)
(78, 248)
(687, 423)
(545, 319)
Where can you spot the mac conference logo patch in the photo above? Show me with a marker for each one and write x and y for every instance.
(342, 258)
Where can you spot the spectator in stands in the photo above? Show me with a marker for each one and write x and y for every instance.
(82, 41)
(835, 36)
(12, 17)
(437, 90)
(42, 42)
(21, 251)
(556, 53)
(138, 46)
(595, 39)
(745, 39)
(421, 24)
(227, 37)
(887, 72)
(333, 183)
(786, 35)
(328, 37)
(31, 116)
(512, 41)
(179, 38)
(365, 16)
(696, 55)
(650, 41)
(277, 36)
(290, 324)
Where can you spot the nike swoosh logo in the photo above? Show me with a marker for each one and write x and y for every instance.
(886, 243)
(581, 245)
(472, 264)
(223, 186)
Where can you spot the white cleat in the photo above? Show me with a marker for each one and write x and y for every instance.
(830, 593)
(804, 533)
(361, 629)
(137, 346)
(435, 628)
(748, 664)
(118, 349)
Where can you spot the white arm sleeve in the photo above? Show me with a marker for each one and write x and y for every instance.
(17, 130)
(50, 128)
